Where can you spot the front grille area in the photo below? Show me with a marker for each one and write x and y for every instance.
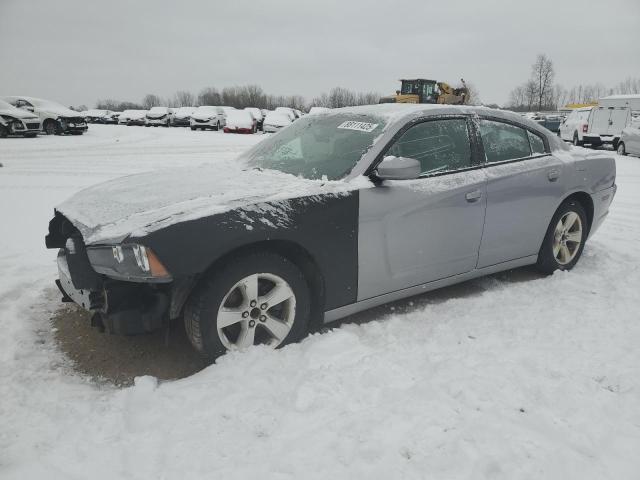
(33, 125)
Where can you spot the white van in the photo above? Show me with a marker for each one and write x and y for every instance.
(595, 126)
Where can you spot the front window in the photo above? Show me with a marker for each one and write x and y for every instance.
(318, 146)
(439, 145)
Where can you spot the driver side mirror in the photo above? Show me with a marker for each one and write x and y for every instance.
(398, 168)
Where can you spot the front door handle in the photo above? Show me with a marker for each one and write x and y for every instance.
(473, 196)
(553, 175)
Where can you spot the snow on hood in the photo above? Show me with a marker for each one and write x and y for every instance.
(140, 204)
(239, 119)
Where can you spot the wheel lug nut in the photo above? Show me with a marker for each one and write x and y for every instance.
(263, 318)
(252, 323)
(245, 314)
(263, 306)
(253, 303)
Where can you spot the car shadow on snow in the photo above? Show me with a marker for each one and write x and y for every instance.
(117, 360)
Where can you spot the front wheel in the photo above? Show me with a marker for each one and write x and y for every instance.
(565, 238)
(621, 149)
(3, 131)
(51, 127)
(193, 129)
(258, 299)
(217, 127)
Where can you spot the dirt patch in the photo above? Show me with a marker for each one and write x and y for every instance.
(119, 359)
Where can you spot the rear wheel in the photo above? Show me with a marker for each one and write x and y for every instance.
(564, 241)
(576, 140)
(621, 149)
(193, 128)
(258, 299)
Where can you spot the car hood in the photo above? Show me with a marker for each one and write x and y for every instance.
(17, 113)
(59, 111)
(139, 204)
(204, 116)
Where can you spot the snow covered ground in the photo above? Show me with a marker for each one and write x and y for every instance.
(519, 377)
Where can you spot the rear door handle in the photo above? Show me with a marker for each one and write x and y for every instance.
(553, 175)
(473, 196)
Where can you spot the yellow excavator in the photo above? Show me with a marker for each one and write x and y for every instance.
(421, 90)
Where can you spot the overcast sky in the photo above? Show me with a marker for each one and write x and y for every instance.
(77, 51)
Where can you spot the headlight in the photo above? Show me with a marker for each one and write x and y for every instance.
(131, 262)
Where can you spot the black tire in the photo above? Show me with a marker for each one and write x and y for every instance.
(547, 262)
(3, 131)
(614, 144)
(621, 149)
(193, 129)
(576, 140)
(201, 309)
(217, 127)
(51, 127)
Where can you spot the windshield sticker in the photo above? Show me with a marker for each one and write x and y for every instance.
(359, 126)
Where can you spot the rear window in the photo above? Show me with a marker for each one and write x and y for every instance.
(503, 141)
(537, 144)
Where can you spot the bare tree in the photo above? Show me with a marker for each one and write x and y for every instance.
(183, 98)
(542, 73)
(150, 100)
(209, 96)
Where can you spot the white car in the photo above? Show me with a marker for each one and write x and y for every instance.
(124, 117)
(316, 110)
(159, 117)
(182, 116)
(595, 125)
(137, 117)
(630, 139)
(276, 120)
(95, 115)
(207, 117)
(287, 111)
(54, 118)
(14, 121)
(240, 121)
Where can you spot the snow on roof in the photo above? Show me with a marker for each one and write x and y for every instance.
(622, 97)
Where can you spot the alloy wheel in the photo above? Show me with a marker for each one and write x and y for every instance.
(259, 309)
(567, 238)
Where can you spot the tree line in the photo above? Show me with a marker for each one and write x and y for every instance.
(244, 96)
(541, 93)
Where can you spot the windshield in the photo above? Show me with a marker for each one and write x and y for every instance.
(327, 145)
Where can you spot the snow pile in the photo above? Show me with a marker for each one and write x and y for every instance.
(507, 377)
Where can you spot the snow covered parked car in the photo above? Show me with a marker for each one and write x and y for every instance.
(276, 120)
(208, 117)
(338, 213)
(316, 110)
(136, 117)
(14, 121)
(54, 118)
(630, 139)
(182, 116)
(159, 117)
(257, 114)
(240, 121)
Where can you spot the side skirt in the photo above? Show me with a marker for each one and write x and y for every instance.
(346, 310)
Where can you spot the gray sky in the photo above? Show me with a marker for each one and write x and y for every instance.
(80, 51)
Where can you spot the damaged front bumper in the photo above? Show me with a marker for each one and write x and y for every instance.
(119, 307)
